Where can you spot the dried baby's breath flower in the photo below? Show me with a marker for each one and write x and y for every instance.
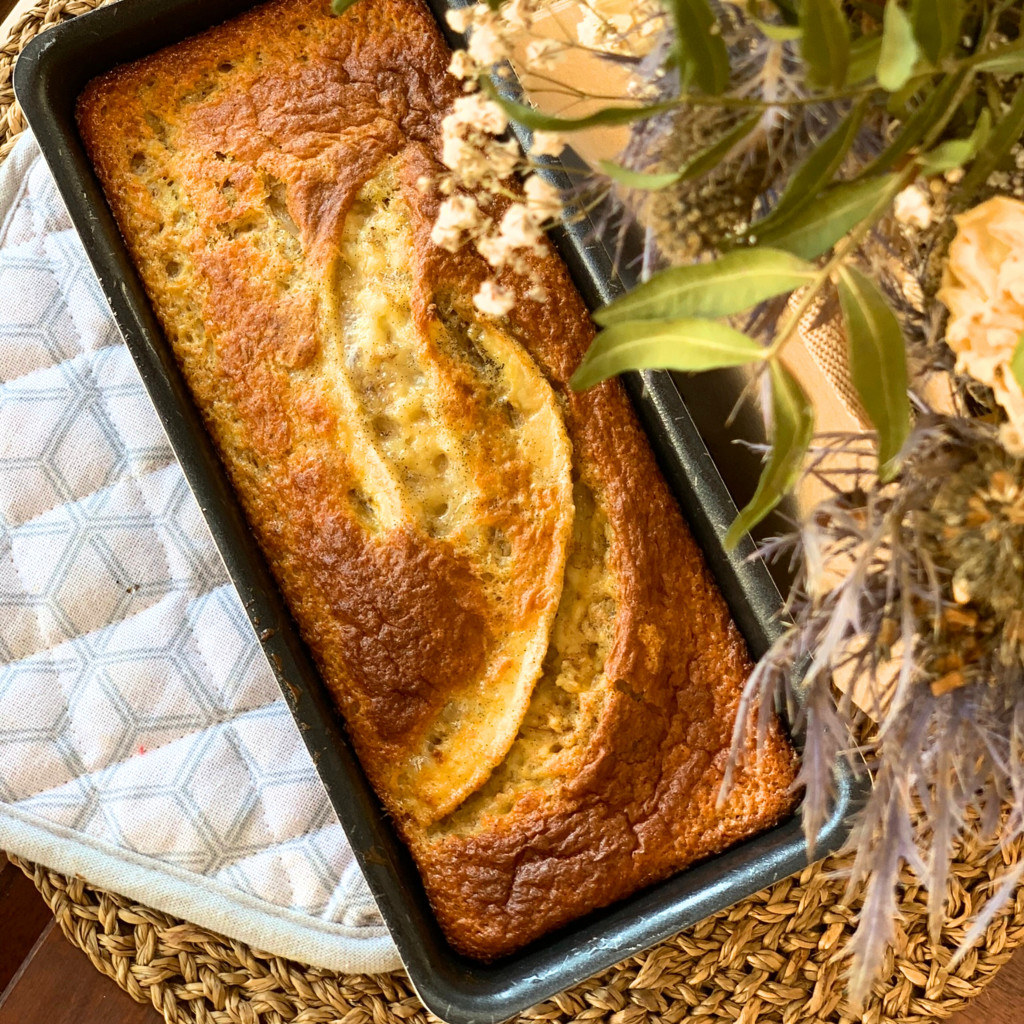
(477, 113)
(460, 18)
(519, 13)
(547, 143)
(604, 33)
(983, 288)
(544, 54)
(518, 233)
(458, 217)
(470, 147)
(543, 200)
(488, 40)
(462, 66)
(913, 207)
(494, 299)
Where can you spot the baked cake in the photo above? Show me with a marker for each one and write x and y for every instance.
(535, 667)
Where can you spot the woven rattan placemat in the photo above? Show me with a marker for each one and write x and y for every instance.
(775, 957)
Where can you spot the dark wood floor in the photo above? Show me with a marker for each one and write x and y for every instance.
(6, 6)
(45, 980)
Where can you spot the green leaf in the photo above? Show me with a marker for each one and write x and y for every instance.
(916, 126)
(1017, 362)
(642, 180)
(937, 26)
(792, 430)
(816, 171)
(701, 51)
(878, 363)
(700, 164)
(814, 230)
(686, 344)
(957, 152)
(826, 42)
(900, 51)
(341, 6)
(864, 54)
(778, 33)
(731, 284)
(1007, 60)
(994, 150)
(537, 120)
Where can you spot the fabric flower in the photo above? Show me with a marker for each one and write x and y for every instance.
(983, 288)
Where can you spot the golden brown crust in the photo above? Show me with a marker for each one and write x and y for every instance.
(289, 96)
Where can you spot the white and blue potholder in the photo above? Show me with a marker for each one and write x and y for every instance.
(143, 740)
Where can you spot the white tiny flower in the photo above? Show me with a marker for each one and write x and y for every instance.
(543, 200)
(494, 299)
(479, 113)
(604, 34)
(544, 54)
(547, 144)
(487, 45)
(537, 292)
(519, 228)
(518, 13)
(457, 216)
(462, 66)
(503, 157)
(913, 207)
(460, 19)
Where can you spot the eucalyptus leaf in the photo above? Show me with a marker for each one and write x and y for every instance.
(791, 433)
(642, 180)
(1017, 363)
(778, 33)
(996, 148)
(900, 51)
(684, 344)
(341, 6)
(916, 126)
(878, 363)
(701, 50)
(537, 120)
(816, 171)
(814, 230)
(937, 26)
(703, 162)
(1006, 60)
(957, 152)
(826, 42)
(864, 54)
(731, 284)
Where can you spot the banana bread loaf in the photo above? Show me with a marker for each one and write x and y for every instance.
(528, 651)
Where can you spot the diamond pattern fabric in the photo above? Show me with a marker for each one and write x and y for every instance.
(143, 740)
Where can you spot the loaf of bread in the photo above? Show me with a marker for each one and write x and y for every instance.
(536, 670)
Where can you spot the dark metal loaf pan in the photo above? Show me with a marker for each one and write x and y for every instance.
(48, 78)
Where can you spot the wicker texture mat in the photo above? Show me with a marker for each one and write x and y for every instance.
(775, 958)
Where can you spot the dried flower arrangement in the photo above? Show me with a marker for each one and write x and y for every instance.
(822, 162)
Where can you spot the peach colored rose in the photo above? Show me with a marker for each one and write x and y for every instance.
(983, 288)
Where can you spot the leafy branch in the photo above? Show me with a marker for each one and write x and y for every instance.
(915, 60)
